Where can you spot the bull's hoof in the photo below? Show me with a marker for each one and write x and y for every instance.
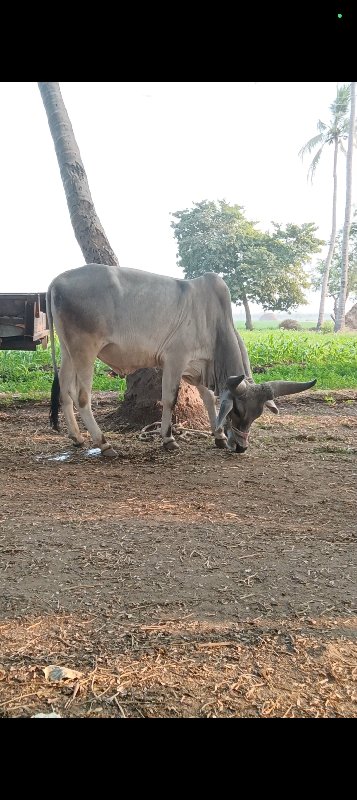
(221, 443)
(171, 445)
(109, 453)
(77, 444)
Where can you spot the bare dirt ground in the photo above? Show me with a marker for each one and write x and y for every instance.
(188, 584)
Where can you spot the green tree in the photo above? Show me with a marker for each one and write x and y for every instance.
(332, 134)
(258, 267)
(340, 315)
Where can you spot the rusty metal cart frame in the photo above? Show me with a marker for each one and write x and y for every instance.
(23, 321)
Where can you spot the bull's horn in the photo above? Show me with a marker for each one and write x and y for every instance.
(289, 387)
(234, 381)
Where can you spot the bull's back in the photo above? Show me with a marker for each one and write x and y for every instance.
(136, 305)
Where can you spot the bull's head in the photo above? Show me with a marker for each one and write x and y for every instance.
(243, 402)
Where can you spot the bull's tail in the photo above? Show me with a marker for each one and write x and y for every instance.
(55, 390)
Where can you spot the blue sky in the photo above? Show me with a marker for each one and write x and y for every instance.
(148, 150)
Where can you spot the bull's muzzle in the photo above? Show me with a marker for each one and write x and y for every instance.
(240, 449)
(238, 440)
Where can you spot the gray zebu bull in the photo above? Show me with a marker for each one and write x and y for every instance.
(131, 319)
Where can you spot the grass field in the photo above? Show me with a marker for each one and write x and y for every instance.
(290, 355)
(302, 355)
(31, 374)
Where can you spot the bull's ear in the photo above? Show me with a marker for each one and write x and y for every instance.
(272, 407)
(225, 407)
(234, 381)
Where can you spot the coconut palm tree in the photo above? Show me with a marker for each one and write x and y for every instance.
(332, 134)
(340, 316)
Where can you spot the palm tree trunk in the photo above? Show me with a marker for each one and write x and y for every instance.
(335, 305)
(332, 242)
(86, 224)
(248, 316)
(340, 318)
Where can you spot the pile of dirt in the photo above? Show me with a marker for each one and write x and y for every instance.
(142, 404)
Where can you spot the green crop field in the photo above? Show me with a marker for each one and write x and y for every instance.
(302, 355)
(290, 355)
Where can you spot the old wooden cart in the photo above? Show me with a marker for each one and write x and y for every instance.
(23, 321)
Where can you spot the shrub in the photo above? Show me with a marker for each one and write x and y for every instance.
(327, 326)
(290, 325)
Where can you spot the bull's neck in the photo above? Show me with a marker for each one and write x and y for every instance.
(228, 360)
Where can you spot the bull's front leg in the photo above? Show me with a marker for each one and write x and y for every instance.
(170, 388)
(209, 400)
(210, 405)
(223, 422)
(220, 438)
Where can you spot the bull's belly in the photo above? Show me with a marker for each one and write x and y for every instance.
(125, 362)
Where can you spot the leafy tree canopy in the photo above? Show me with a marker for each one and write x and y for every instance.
(336, 132)
(265, 268)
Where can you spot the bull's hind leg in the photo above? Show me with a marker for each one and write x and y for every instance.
(83, 403)
(67, 387)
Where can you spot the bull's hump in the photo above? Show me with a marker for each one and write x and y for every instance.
(216, 283)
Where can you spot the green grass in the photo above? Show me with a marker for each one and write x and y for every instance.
(31, 374)
(327, 377)
(303, 355)
(287, 355)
